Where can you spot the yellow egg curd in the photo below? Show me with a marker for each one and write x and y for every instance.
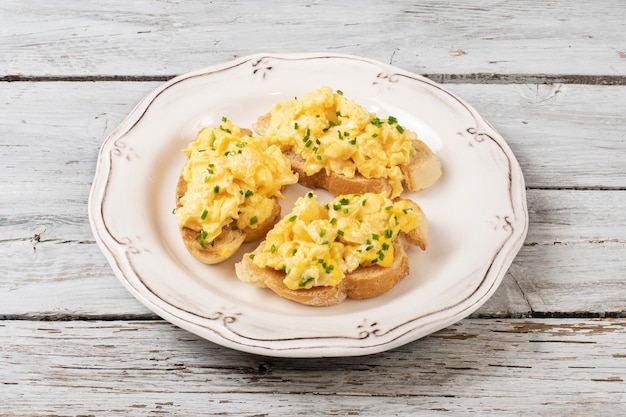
(318, 244)
(334, 133)
(231, 178)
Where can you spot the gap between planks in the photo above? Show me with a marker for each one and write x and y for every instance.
(471, 78)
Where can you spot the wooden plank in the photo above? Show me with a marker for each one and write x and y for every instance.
(68, 279)
(482, 367)
(54, 269)
(436, 37)
(562, 135)
(558, 141)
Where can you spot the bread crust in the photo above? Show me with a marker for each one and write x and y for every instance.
(422, 171)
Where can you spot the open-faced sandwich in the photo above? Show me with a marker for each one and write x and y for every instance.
(335, 144)
(228, 191)
(352, 247)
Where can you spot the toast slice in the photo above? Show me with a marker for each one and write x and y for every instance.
(366, 281)
(229, 240)
(234, 193)
(422, 170)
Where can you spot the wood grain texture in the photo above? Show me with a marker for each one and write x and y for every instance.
(455, 38)
(508, 368)
(550, 76)
(52, 268)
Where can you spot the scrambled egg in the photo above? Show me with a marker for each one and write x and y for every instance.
(334, 133)
(229, 179)
(318, 244)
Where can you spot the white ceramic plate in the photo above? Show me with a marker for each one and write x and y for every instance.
(477, 211)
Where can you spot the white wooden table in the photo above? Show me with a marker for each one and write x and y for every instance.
(550, 76)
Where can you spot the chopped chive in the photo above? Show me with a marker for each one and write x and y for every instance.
(273, 248)
(251, 256)
(322, 232)
(388, 233)
(224, 119)
(295, 126)
(249, 193)
(376, 122)
(333, 221)
(254, 220)
(204, 214)
(344, 201)
(336, 206)
(353, 141)
(293, 252)
(387, 208)
(309, 195)
(364, 202)
(201, 238)
(391, 120)
(385, 246)
(375, 236)
(174, 210)
(319, 157)
(399, 128)
(340, 92)
(304, 280)
(293, 218)
(375, 135)
(340, 232)
(216, 189)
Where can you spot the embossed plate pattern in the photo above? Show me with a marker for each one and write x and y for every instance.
(477, 211)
